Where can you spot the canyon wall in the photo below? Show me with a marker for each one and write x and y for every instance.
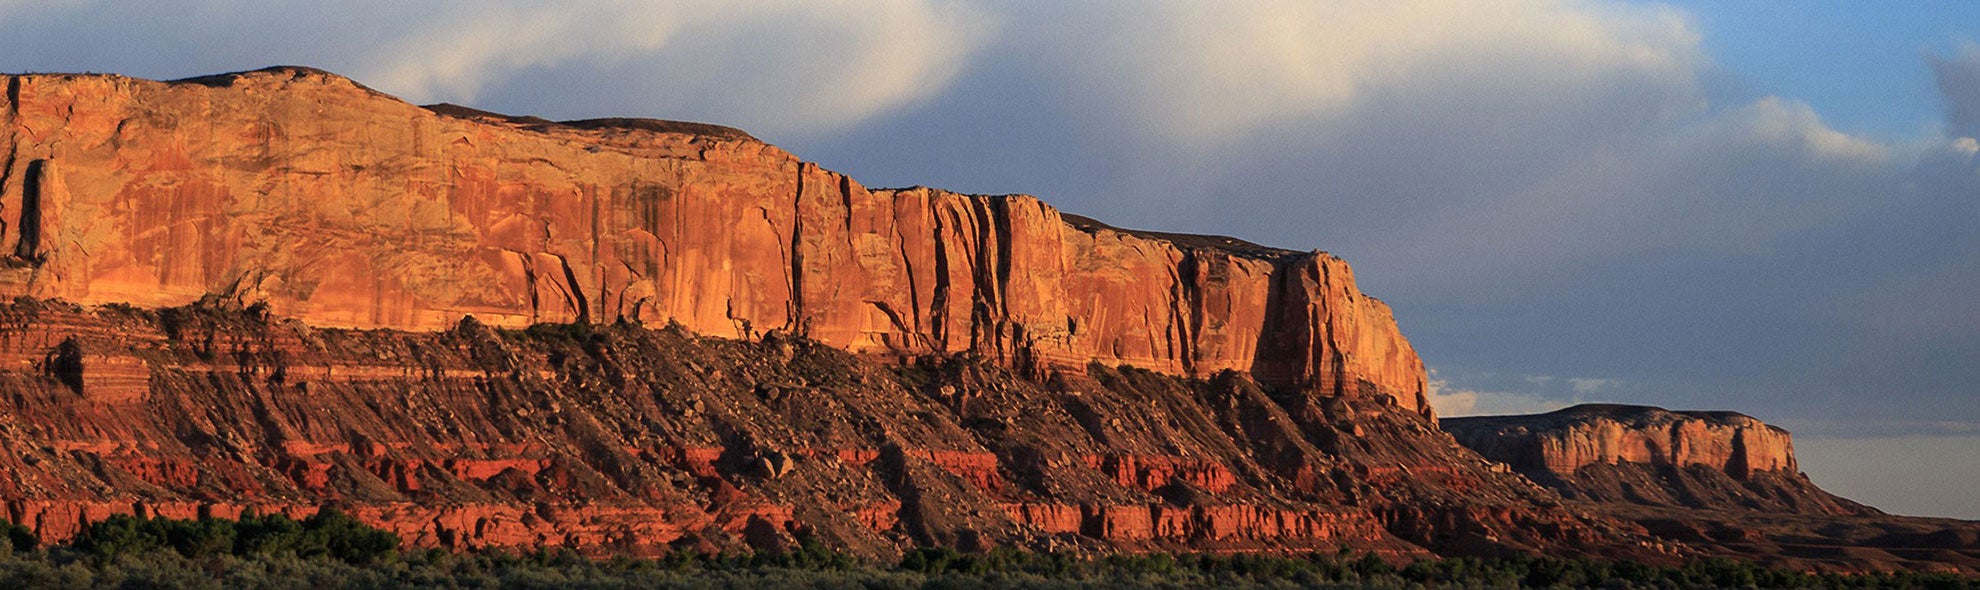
(344, 207)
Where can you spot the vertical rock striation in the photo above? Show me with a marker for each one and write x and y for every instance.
(344, 207)
(1653, 456)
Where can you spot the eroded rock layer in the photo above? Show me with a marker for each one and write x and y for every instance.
(729, 348)
(1570, 439)
(1646, 455)
(344, 207)
(1719, 482)
(627, 439)
(1654, 456)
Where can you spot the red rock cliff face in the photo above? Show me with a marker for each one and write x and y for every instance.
(1594, 434)
(341, 206)
(1651, 456)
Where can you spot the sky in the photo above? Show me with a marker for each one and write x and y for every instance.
(1769, 207)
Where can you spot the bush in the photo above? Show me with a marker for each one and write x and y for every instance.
(327, 534)
(332, 549)
(18, 537)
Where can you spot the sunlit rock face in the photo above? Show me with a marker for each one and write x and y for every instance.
(341, 206)
(1590, 434)
(1653, 456)
(279, 291)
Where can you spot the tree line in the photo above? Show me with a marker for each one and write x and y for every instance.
(334, 550)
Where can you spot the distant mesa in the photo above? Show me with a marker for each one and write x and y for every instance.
(1653, 456)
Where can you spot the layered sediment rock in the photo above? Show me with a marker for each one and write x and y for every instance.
(619, 438)
(1567, 440)
(1720, 483)
(278, 264)
(1646, 455)
(340, 206)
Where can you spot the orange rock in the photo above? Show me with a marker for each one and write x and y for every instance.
(341, 206)
(1565, 441)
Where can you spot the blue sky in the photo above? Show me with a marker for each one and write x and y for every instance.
(1770, 207)
(1860, 67)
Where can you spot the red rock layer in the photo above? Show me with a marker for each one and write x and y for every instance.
(344, 207)
(1651, 456)
(1593, 434)
(620, 438)
(1716, 482)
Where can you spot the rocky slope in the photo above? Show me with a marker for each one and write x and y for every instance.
(1720, 482)
(344, 207)
(621, 438)
(1646, 455)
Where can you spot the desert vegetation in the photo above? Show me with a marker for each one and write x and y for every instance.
(331, 550)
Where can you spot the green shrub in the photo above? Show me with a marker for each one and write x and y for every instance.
(19, 538)
(332, 549)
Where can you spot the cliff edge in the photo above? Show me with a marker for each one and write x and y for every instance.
(1653, 456)
(344, 207)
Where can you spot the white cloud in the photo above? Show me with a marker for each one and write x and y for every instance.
(1202, 71)
(1461, 148)
(1587, 386)
(767, 65)
(1452, 401)
(1793, 125)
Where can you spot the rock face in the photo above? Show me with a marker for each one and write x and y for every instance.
(1720, 483)
(1567, 440)
(279, 291)
(343, 207)
(618, 438)
(1647, 455)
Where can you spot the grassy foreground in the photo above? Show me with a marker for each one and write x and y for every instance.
(331, 550)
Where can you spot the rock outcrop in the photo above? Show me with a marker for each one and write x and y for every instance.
(279, 291)
(1646, 455)
(1721, 483)
(344, 207)
(619, 438)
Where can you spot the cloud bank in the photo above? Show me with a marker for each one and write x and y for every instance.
(778, 68)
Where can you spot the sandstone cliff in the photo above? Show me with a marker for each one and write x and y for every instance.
(341, 206)
(1647, 455)
(635, 336)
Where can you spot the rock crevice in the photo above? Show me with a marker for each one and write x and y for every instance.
(353, 209)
